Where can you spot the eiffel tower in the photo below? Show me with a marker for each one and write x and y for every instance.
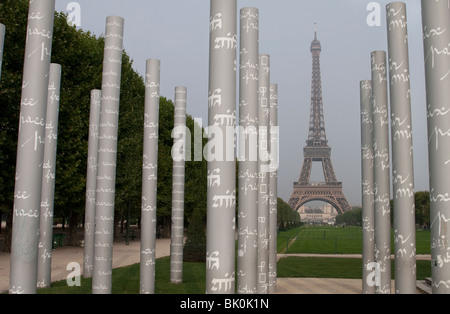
(317, 150)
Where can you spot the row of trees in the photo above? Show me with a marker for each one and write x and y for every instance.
(287, 217)
(81, 55)
(422, 207)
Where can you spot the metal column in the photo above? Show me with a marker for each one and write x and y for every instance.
(263, 173)
(91, 183)
(179, 160)
(2, 42)
(150, 177)
(107, 156)
(273, 192)
(368, 236)
(248, 152)
(48, 179)
(221, 199)
(402, 150)
(381, 171)
(30, 148)
(436, 26)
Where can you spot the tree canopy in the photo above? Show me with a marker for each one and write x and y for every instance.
(81, 55)
(421, 204)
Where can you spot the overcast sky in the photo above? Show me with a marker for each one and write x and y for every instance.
(177, 33)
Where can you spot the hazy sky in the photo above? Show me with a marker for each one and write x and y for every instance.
(177, 33)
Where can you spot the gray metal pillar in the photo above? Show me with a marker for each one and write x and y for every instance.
(273, 192)
(30, 148)
(248, 152)
(2, 42)
(150, 177)
(91, 183)
(221, 199)
(264, 173)
(179, 160)
(368, 236)
(436, 26)
(402, 150)
(381, 172)
(107, 156)
(48, 179)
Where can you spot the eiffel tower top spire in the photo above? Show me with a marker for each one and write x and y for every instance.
(316, 134)
(315, 33)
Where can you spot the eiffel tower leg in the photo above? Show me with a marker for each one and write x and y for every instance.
(306, 170)
(328, 170)
(435, 15)
(381, 172)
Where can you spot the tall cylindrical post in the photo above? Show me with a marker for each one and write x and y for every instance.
(48, 179)
(2, 42)
(381, 172)
(273, 192)
(368, 236)
(150, 177)
(30, 148)
(107, 156)
(91, 183)
(179, 159)
(402, 150)
(248, 152)
(221, 198)
(263, 173)
(436, 34)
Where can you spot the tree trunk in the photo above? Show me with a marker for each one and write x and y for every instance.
(8, 234)
(166, 226)
(116, 226)
(73, 229)
(122, 222)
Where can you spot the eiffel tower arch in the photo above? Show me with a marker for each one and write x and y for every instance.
(317, 150)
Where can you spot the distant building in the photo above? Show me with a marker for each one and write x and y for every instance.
(325, 214)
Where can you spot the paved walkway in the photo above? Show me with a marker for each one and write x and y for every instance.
(125, 255)
(318, 286)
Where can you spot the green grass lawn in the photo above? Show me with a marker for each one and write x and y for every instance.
(323, 240)
(336, 240)
(324, 267)
(125, 280)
